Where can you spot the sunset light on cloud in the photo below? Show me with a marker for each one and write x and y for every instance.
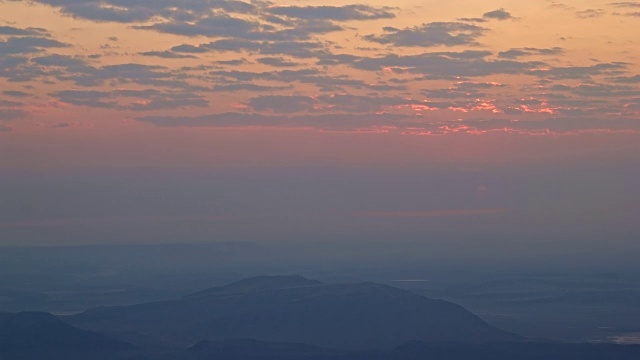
(429, 67)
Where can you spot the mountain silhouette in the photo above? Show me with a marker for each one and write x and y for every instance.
(294, 309)
(247, 349)
(39, 335)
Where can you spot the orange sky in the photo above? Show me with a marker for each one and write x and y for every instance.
(521, 64)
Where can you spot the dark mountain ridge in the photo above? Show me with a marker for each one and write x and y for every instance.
(38, 335)
(295, 309)
(246, 349)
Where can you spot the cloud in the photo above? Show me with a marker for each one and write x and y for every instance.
(93, 10)
(631, 104)
(15, 93)
(9, 103)
(296, 49)
(167, 55)
(500, 14)
(42, 67)
(571, 101)
(218, 18)
(431, 34)
(335, 122)
(529, 51)
(58, 60)
(365, 104)
(281, 104)
(247, 87)
(580, 72)
(27, 45)
(126, 73)
(474, 20)
(232, 62)
(462, 89)
(276, 61)
(144, 100)
(339, 103)
(590, 13)
(62, 125)
(599, 90)
(10, 62)
(48, 67)
(187, 48)
(167, 103)
(337, 13)
(12, 114)
(282, 75)
(304, 76)
(142, 11)
(223, 25)
(447, 64)
(631, 14)
(13, 31)
(4, 127)
(90, 98)
(220, 25)
(625, 4)
(626, 79)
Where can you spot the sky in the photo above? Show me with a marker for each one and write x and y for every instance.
(208, 120)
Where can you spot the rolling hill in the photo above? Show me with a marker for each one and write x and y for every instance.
(295, 309)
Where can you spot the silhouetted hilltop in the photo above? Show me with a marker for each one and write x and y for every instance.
(295, 309)
(258, 283)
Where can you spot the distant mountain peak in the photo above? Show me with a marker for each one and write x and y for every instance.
(258, 283)
(275, 281)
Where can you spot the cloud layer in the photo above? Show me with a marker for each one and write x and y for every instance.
(230, 63)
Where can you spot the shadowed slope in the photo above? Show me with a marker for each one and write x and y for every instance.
(37, 335)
